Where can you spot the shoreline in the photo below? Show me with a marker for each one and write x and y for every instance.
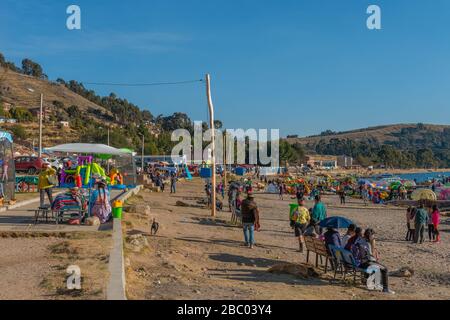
(382, 171)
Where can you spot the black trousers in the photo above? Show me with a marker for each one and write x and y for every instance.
(409, 234)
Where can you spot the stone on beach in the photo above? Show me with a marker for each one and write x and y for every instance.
(404, 272)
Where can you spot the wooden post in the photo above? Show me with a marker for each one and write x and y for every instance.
(40, 126)
(213, 154)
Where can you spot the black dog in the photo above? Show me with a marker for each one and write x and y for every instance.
(155, 227)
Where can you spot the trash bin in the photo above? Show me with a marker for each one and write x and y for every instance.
(117, 209)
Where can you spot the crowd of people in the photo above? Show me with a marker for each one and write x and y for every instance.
(418, 218)
(361, 244)
(306, 223)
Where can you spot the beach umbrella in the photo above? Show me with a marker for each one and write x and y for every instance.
(364, 182)
(409, 183)
(395, 185)
(335, 222)
(423, 194)
(444, 194)
(104, 156)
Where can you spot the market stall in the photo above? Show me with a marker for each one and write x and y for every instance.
(118, 170)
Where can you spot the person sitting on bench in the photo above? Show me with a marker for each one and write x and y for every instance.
(362, 252)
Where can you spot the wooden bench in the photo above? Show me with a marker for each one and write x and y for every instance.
(318, 247)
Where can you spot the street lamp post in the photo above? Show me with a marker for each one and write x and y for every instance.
(40, 121)
(40, 126)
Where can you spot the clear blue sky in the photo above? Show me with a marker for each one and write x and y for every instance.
(303, 66)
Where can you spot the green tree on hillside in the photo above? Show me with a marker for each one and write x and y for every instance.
(31, 68)
(21, 114)
(73, 111)
(58, 105)
(425, 158)
(8, 65)
(19, 132)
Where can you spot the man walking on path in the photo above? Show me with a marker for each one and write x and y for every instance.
(342, 194)
(319, 212)
(173, 182)
(421, 219)
(250, 219)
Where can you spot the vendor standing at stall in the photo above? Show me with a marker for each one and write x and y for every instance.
(45, 183)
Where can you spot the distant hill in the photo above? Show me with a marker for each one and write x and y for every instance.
(397, 145)
(14, 90)
(88, 115)
(383, 134)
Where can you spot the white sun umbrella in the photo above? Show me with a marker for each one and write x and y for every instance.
(87, 148)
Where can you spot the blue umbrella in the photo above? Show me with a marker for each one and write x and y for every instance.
(335, 222)
(364, 181)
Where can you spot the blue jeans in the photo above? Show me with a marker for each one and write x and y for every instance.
(249, 233)
(173, 188)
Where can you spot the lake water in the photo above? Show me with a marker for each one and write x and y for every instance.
(423, 176)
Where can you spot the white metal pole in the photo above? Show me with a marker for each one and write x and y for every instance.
(40, 126)
(107, 161)
(213, 156)
(225, 159)
(142, 156)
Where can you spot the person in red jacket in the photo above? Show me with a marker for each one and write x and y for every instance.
(435, 219)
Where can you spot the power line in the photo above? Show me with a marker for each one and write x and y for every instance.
(141, 84)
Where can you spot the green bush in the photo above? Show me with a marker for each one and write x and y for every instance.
(21, 114)
(19, 132)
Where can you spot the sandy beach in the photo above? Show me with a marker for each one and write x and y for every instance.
(33, 265)
(196, 257)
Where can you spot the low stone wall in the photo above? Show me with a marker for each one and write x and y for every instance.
(116, 285)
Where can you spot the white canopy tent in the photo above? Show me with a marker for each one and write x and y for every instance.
(123, 157)
(91, 148)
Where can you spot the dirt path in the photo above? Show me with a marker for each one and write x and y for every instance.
(194, 257)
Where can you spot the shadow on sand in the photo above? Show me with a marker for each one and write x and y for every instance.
(231, 243)
(259, 275)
